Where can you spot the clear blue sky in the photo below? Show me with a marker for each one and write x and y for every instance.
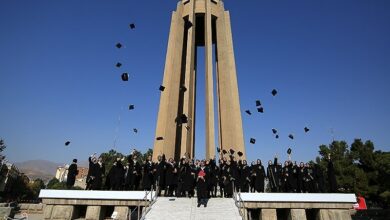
(330, 61)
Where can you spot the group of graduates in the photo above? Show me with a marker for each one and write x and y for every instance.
(181, 178)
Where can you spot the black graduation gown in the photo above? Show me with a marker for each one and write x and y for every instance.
(332, 178)
(201, 186)
(319, 178)
(118, 176)
(227, 180)
(72, 173)
(286, 178)
(98, 172)
(300, 181)
(259, 179)
(147, 179)
(245, 178)
(159, 175)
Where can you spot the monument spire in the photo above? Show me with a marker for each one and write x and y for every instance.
(199, 23)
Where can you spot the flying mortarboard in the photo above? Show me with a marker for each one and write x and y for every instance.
(67, 143)
(231, 151)
(218, 149)
(252, 141)
(125, 77)
(258, 103)
(291, 136)
(274, 92)
(118, 64)
(183, 88)
(183, 119)
(277, 136)
(135, 130)
(289, 151)
(118, 45)
(159, 138)
(132, 26)
(274, 131)
(162, 88)
(240, 153)
(131, 107)
(248, 112)
(306, 129)
(224, 151)
(260, 109)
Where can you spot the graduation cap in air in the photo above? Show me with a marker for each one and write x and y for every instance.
(274, 92)
(183, 119)
(131, 107)
(224, 151)
(277, 136)
(132, 26)
(118, 45)
(240, 153)
(162, 88)
(183, 88)
(289, 151)
(188, 24)
(248, 112)
(159, 138)
(306, 129)
(218, 150)
(291, 136)
(67, 143)
(135, 130)
(274, 131)
(231, 151)
(260, 109)
(118, 64)
(258, 103)
(125, 77)
(252, 141)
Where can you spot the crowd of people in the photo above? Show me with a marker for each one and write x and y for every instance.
(209, 178)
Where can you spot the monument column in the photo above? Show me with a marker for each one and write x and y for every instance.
(210, 130)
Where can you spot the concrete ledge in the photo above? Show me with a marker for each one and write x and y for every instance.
(293, 205)
(298, 197)
(102, 195)
(94, 202)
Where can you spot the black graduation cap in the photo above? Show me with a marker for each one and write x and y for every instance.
(252, 141)
(260, 109)
(125, 77)
(183, 88)
(188, 24)
(291, 136)
(274, 92)
(135, 130)
(131, 107)
(183, 119)
(162, 88)
(306, 129)
(258, 103)
(118, 64)
(67, 143)
(218, 149)
(240, 153)
(118, 45)
(277, 136)
(231, 151)
(159, 138)
(248, 112)
(274, 131)
(224, 151)
(132, 26)
(289, 151)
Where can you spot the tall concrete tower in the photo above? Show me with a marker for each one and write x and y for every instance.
(198, 23)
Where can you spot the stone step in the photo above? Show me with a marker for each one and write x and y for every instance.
(186, 208)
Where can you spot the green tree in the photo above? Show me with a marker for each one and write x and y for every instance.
(36, 187)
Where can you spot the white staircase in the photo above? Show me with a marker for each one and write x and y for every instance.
(185, 208)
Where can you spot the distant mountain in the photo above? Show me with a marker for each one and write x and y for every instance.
(43, 169)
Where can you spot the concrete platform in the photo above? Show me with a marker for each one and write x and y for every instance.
(185, 208)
